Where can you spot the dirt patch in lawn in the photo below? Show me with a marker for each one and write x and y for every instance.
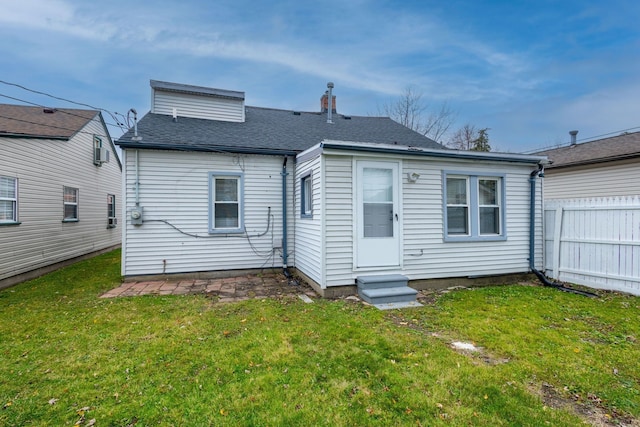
(590, 410)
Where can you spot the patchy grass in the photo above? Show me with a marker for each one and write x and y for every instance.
(546, 358)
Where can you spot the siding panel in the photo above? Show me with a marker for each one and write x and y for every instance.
(622, 179)
(308, 231)
(174, 187)
(199, 107)
(425, 255)
(42, 168)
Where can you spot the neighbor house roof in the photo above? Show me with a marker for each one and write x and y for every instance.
(39, 122)
(267, 130)
(624, 146)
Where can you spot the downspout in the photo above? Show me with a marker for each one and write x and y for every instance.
(284, 218)
(532, 233)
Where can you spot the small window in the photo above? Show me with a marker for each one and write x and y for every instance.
(473, 207)
(111, 211)
(70, 202)
(8, 200)
(306, 197)
(226, 203)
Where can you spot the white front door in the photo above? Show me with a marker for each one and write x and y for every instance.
(377, 215)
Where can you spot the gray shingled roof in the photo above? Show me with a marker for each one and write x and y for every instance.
(34, 122)
(618, 147)
(268, 130)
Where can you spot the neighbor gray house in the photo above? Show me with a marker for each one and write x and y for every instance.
(60, 189)
(213, 186)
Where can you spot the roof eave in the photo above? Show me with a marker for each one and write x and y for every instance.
(595, 161)
(426, 152)
(205, 148)
(34, 136)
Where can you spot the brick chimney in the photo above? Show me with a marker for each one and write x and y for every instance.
(324, 103)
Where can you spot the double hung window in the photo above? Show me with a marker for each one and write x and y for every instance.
(111, 211)
(474, 206)
(225, 194)
(70, 203)
(8, 200)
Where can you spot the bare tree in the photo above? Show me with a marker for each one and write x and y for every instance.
(437, 123)
(411, 111)
(462, 138)
(468, 137)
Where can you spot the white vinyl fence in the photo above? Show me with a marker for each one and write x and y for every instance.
(594, 242)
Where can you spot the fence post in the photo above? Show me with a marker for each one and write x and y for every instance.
(557, 234)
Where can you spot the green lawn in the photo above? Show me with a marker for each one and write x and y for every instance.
(547, 358)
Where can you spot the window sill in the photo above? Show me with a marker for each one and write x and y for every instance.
(306, 216)
(8, 224)
(227, 231)
(110, 226)
(70, 220)
(454, 239)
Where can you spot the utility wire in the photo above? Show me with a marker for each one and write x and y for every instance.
(64, 99)
(54, 127)
(59, 110)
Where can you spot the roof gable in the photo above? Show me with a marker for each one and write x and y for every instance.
(624, 146)
(39, 122)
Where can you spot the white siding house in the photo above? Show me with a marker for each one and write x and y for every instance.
(212, 185)
(175, 194)
(422, 251)
(59, 197)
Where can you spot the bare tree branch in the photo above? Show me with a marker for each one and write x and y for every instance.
(411, 111)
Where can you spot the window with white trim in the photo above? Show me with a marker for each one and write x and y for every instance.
(473, 206)
(8, 200)
(70, 202)
(306, 196)
(226, 190)
(458, 205)
(489, 206)
(111, 211)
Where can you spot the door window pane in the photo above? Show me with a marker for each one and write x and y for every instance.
(378, 220)
(377, 185)
(377, 209)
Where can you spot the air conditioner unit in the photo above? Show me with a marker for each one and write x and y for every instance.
(101, 156)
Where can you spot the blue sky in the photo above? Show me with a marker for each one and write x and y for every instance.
(531, 71)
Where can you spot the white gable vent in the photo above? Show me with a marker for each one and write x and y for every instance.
(196, 102)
